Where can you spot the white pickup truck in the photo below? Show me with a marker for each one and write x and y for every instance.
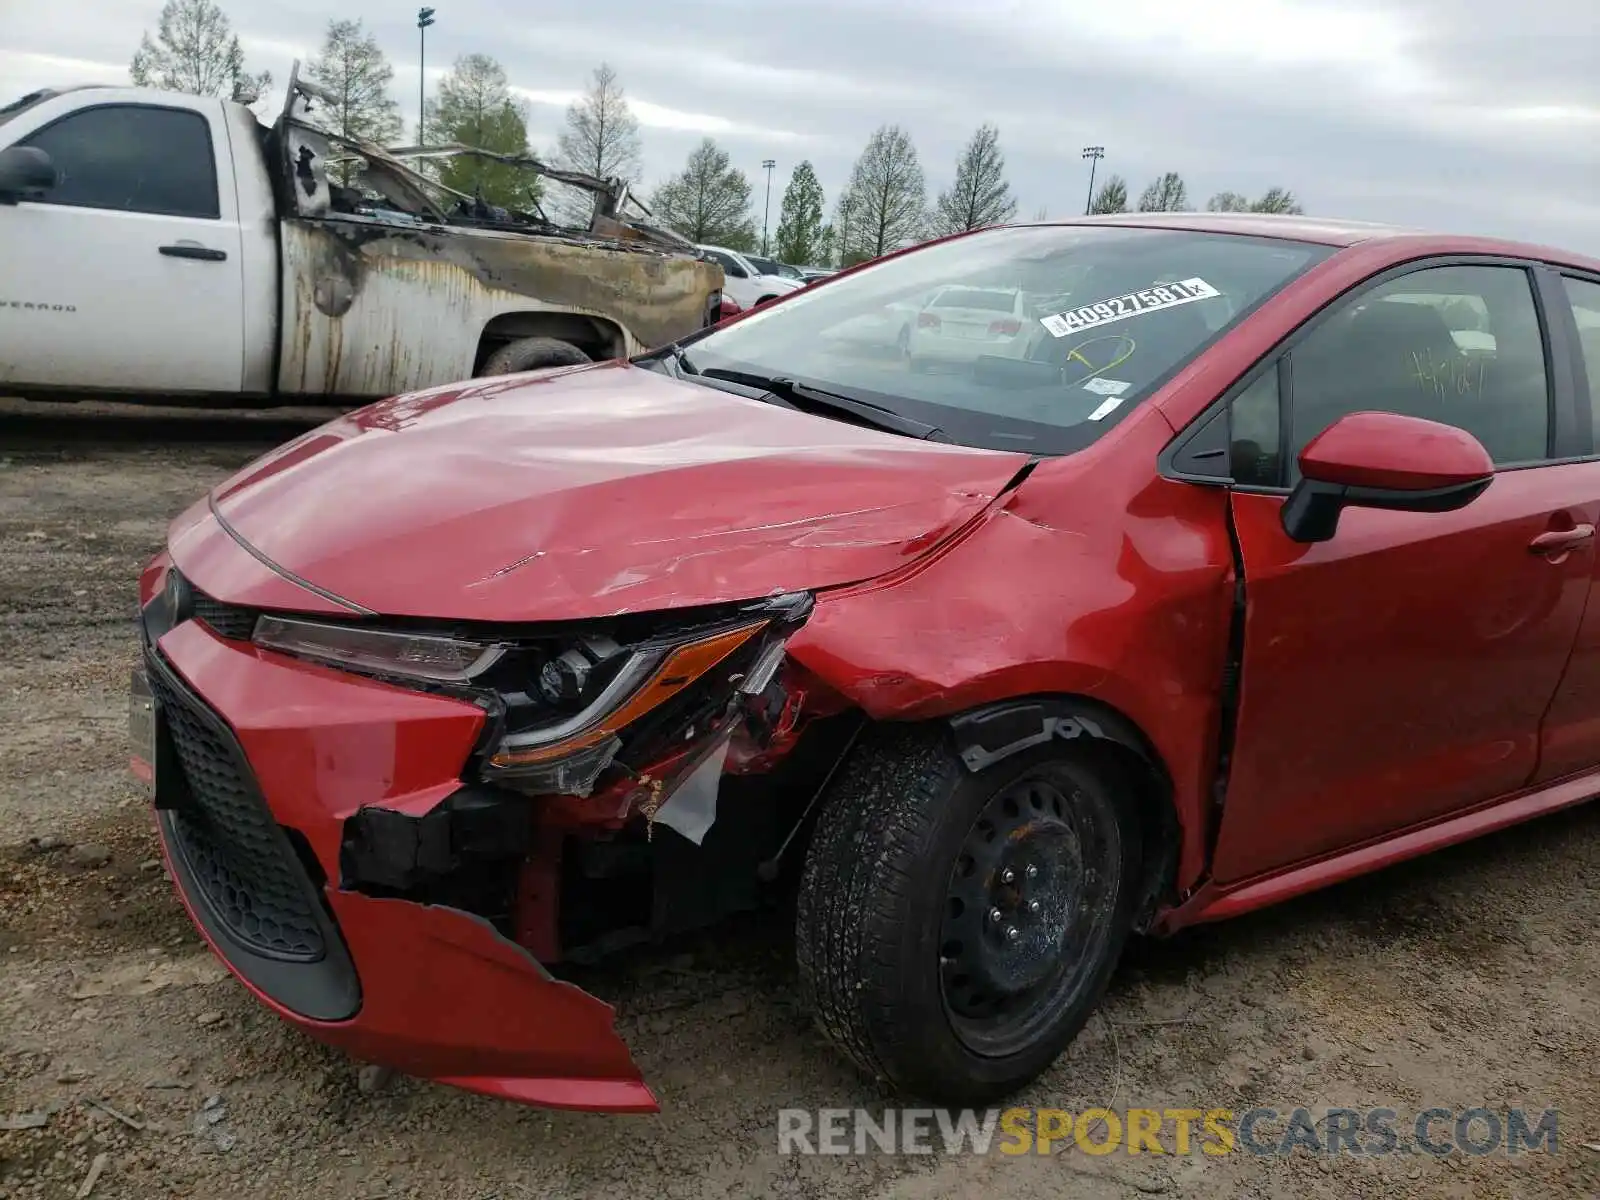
(163, 245)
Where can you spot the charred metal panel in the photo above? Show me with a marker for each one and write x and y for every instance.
(375, 309)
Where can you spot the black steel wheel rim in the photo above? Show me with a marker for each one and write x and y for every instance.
(1028, 910)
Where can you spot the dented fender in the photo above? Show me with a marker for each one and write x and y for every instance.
(1082, 582)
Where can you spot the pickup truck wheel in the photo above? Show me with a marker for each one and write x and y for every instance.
(956, 930)
(529, 354)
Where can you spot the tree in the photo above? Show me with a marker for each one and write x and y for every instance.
(475, 107)
(708, 201)
(1228, 202)
(1277, 200)
(196, 51)
(1166, 194)
(601, 137)
(354, 69)
(887, 194)
(1273, 200)
(800, 225)
(1112, 196)
(980, 195)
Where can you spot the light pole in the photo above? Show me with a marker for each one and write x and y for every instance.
(1094, 154)
(424, 19)
(767, 164)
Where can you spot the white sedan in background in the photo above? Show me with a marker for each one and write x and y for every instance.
(958, 325)
(743, 282)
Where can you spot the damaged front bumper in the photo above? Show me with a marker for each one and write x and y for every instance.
(257, 765)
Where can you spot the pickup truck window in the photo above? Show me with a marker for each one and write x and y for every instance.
(133, 158)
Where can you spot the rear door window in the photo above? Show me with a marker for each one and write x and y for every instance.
(1585, 297)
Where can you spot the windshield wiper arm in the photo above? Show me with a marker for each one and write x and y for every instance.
(803, 395)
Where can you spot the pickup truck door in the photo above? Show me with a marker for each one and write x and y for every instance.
(1399, 673)
(126, 276)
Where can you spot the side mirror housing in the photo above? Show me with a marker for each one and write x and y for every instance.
(1384, 460)
(25, 172)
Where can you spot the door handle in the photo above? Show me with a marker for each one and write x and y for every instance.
(1559, 541)
(193, 250)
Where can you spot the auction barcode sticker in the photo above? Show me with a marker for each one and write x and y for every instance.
(1120, 308)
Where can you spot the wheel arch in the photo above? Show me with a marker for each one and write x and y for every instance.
(598, 337)
(990, 733)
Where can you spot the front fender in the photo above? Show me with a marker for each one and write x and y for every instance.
(1127, 605)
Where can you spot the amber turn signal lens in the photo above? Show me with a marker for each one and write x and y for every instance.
(677, 671)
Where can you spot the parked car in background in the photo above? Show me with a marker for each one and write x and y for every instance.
(812, 274)
(1242, 579)
(959, 324)
(745, 282)
(158, 245)
(771, 266)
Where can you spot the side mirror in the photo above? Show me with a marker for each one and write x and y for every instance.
(25, 172)
(1383, 460)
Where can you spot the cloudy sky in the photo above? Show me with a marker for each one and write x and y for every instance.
(1468, 115)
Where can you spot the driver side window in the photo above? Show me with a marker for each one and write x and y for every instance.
(1461, 345)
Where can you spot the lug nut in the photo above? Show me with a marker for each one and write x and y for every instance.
(1033, 907)
(1012, 933)
(995, 916)
(1008, 876)
(1033, 871)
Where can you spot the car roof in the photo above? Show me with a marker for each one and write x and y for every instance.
(1330, 231)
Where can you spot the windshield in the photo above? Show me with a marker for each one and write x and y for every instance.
(765, 265)
(1029, 338)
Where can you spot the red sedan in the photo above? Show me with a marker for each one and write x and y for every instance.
(1259, 557)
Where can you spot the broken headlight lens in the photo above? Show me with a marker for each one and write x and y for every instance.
(430, 657)
(579, 707)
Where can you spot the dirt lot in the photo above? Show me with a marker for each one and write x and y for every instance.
(1464, 980)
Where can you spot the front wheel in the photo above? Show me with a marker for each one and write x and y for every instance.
(530, 354)
(956, 930)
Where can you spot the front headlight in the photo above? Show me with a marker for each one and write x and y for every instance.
(379, 651)
(565, 706)
(647, 678)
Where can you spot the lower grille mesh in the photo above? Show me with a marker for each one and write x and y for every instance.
(238, 855)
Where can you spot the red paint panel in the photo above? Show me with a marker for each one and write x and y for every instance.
(1095, 579)
(1389, 451)
(1398, 672)
(618, 490)
(324, 743)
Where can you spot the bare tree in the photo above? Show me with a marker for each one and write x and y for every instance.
(1112, 196)
(353, 68)
(709, 200)
(1273, 200)
(886, 194)
(196, 51)
(1167, 194)
(980, 195)
(1277, 200)
(601, 137)
(1228, 202)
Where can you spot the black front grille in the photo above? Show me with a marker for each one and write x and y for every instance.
(228, 620)
(240, 859)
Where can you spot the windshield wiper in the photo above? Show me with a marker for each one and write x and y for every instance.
(804, 396)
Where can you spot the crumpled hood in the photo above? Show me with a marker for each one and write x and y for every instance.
(597, 491)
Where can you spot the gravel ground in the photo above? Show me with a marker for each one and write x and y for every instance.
(1462, 980)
